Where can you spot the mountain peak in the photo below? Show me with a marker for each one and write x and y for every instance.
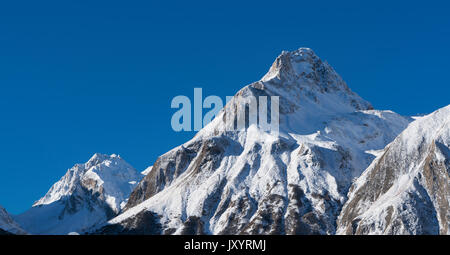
(293, 63)
(302, 74)
(309, 90)
(93, 192)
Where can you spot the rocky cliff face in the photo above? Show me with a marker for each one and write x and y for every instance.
(86, 196)
(406, 189)
(252, 181)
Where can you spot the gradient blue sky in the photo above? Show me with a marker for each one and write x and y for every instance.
(78, 77)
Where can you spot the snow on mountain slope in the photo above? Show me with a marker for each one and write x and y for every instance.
(406, 189)
(87, 195)
(147, 170)
(8, 224)
(257, 182)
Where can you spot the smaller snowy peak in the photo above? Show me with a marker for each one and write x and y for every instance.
(8, 224)
(107, 175)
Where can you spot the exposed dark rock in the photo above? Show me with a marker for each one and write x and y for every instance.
(144, 223)
(5, 233)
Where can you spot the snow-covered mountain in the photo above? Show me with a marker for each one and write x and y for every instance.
(86, 196)
(258, 182)
(406, 189)
(8, 225)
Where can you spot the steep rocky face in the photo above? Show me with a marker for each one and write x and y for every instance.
(253, 181)
(406, 189)
(87, 195)
(8, 225)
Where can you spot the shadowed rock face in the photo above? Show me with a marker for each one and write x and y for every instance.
(436, 174)
(406, 190)
(4, 233)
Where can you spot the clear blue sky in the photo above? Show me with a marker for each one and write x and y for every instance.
(78, 77)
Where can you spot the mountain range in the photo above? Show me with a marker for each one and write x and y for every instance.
(336, 166)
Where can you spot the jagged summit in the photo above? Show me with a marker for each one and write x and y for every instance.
(310, 93)
(293, 63)
(88, 194)
(106, 174)
(98, 158)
